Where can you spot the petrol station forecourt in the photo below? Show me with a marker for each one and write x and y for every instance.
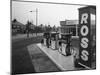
(64, 51)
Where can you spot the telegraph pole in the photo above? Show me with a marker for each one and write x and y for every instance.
(36, 18)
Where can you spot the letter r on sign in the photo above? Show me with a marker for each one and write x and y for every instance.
(84, 18)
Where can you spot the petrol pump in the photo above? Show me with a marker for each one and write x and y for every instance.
(54, 40)
(46, 39)
(65, 44)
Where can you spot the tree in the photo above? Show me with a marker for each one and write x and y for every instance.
(49, 28)
(28, 28)
(14, 20)
(54, 28)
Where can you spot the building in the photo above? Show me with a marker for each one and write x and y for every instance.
(17, 27)
(68, 26)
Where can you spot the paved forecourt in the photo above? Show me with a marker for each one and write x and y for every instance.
(63, 62)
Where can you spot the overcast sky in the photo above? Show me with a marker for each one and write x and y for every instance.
(48, 13)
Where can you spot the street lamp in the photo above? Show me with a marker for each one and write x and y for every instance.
(36, 18)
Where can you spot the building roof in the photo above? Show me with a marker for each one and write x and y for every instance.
(16, 23)
(69, 22)
(73, 22)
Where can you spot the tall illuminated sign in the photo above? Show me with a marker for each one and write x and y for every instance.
(84, 34)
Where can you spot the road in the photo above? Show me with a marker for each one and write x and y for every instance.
(21, 61)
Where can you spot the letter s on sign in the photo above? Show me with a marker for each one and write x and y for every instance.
(84, 55)
(84, 42)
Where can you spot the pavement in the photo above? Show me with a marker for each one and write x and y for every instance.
(40, 60)
(62, 62)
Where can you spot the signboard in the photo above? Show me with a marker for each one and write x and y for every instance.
(71, 22)
(84, 33)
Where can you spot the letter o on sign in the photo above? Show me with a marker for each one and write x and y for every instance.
(84, 30)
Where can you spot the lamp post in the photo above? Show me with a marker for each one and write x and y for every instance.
(36, 18)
